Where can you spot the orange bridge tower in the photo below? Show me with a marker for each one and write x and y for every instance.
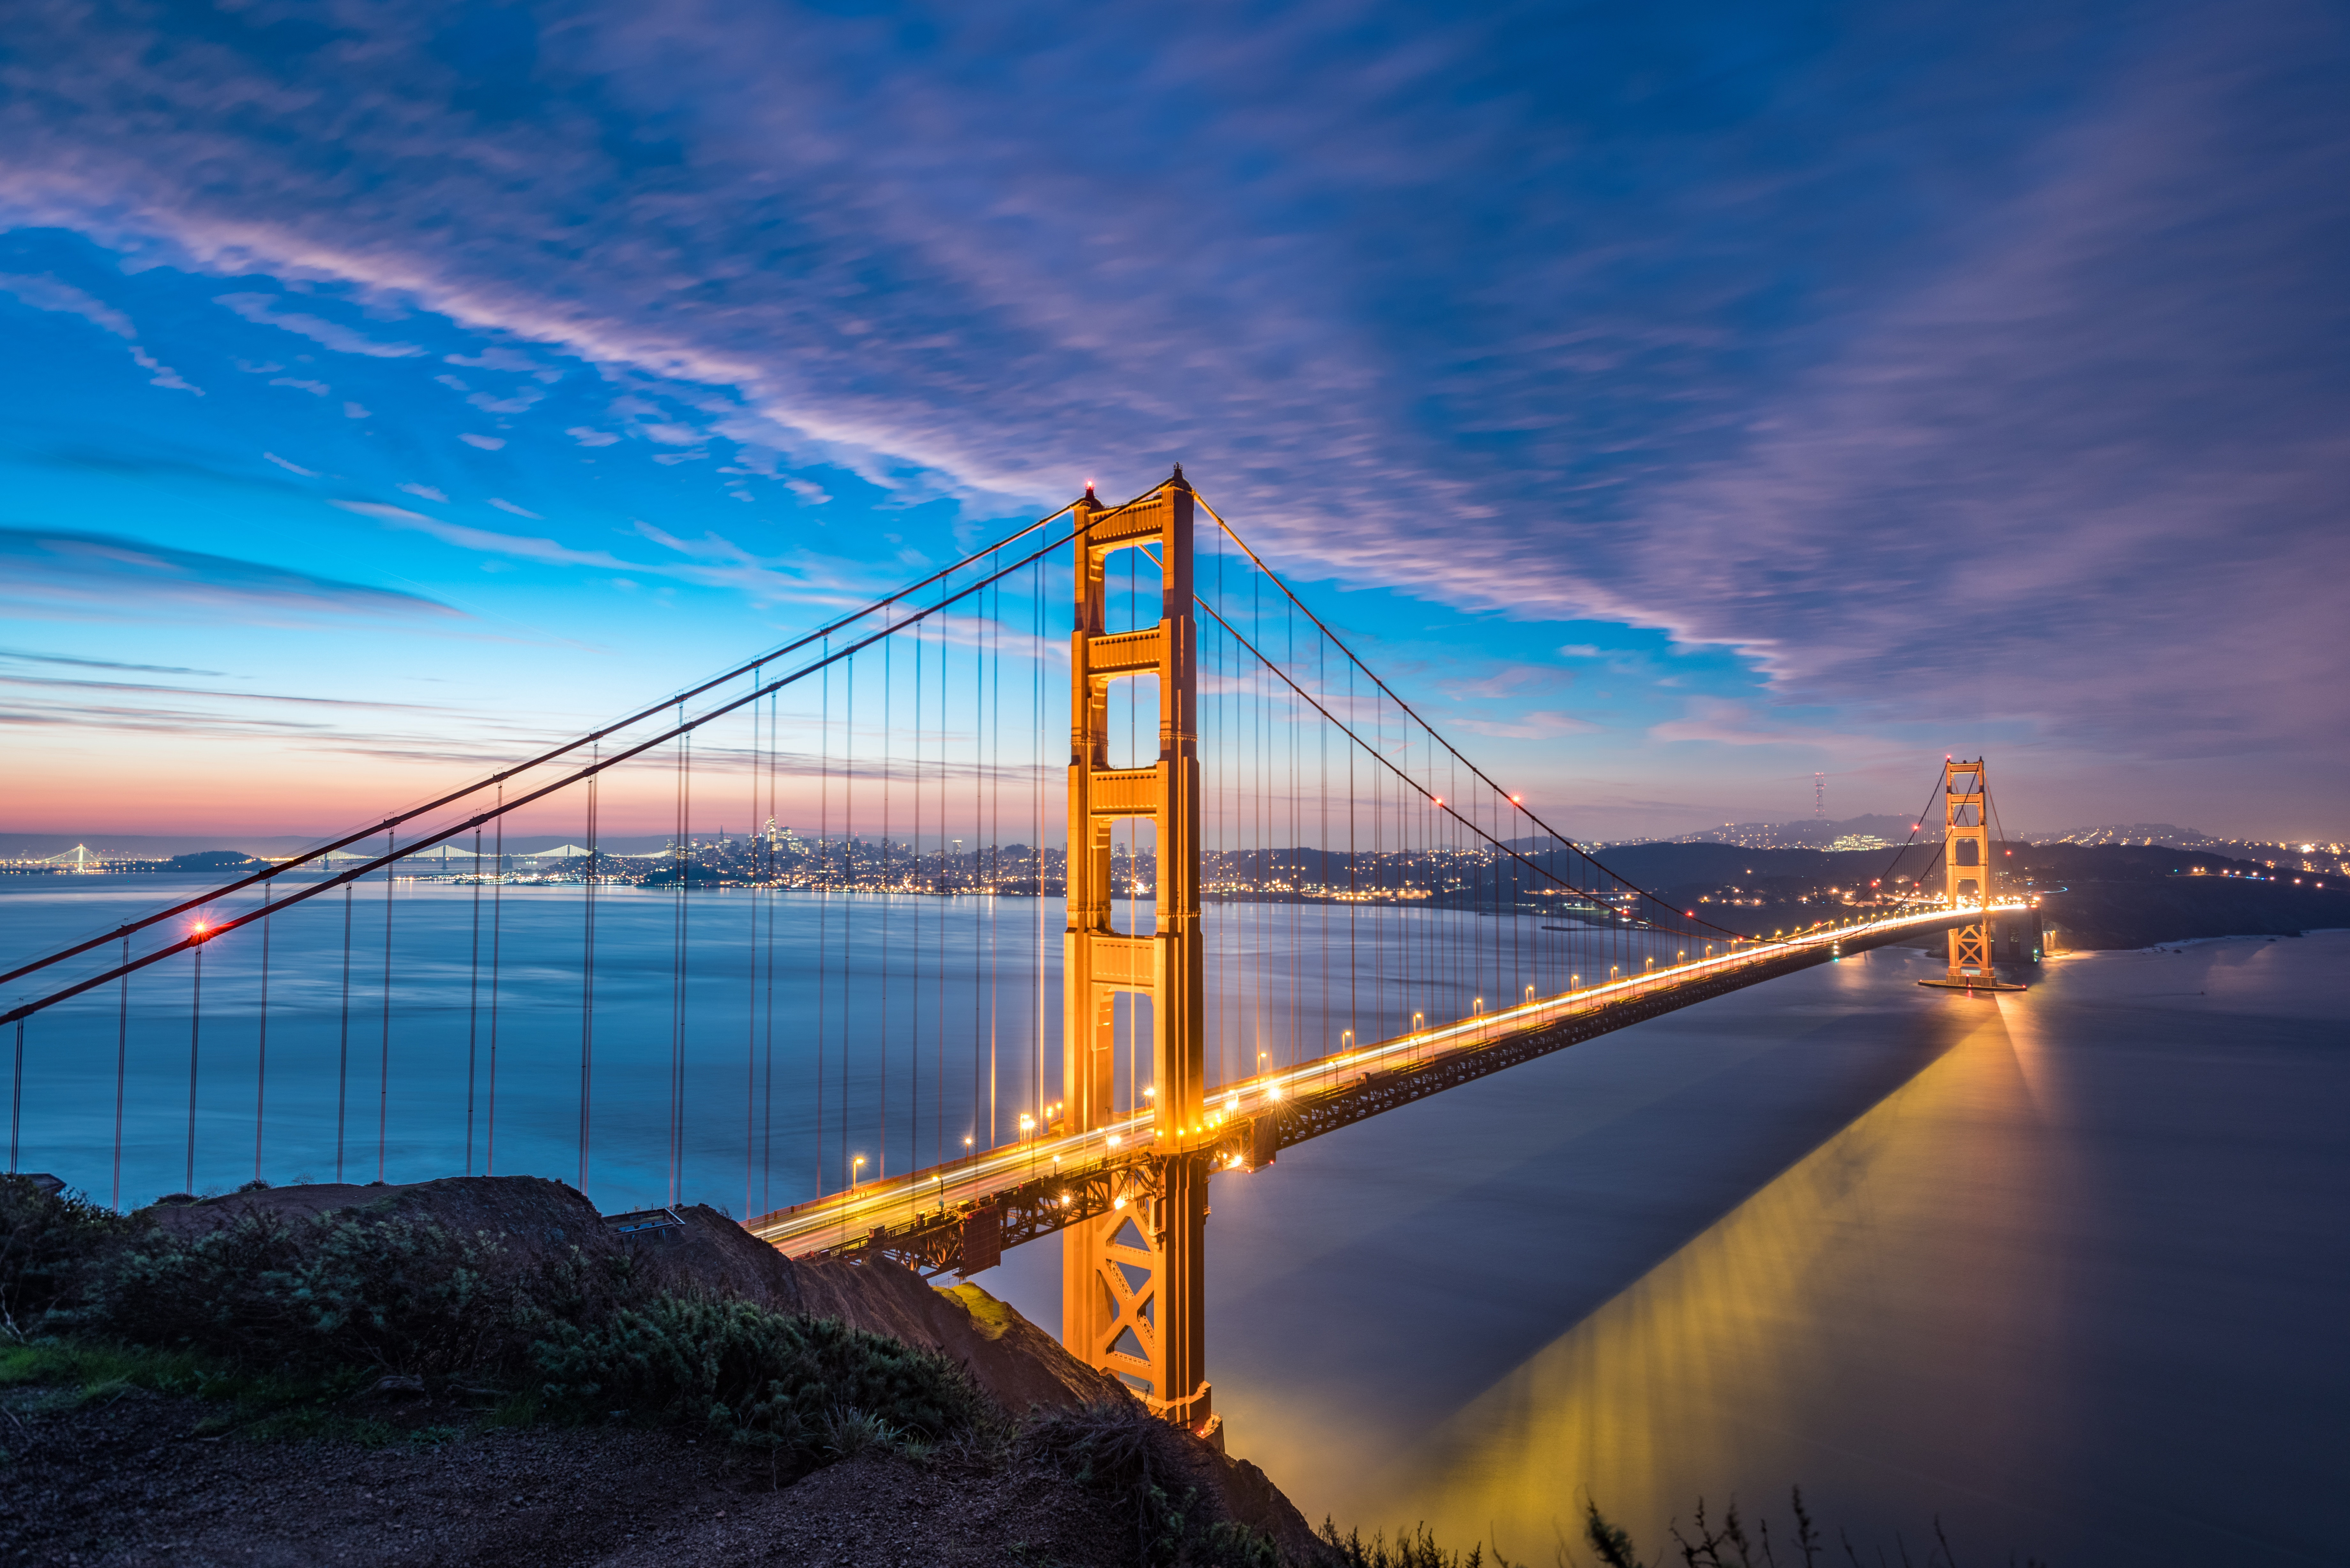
(1131, 1299)
(1969, 878)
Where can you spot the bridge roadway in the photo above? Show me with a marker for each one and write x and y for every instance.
(958, 1216)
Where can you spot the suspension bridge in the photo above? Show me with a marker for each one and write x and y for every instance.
(984, 988)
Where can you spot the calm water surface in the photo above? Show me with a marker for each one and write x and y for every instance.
(2068, 1268)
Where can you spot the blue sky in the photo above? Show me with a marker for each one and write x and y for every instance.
(1678, 401)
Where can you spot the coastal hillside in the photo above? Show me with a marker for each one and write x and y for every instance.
(485, 1370)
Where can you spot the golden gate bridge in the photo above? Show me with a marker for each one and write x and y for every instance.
(1280, 902)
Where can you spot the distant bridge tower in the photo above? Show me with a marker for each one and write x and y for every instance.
(1132, 1302)
(1968, 876)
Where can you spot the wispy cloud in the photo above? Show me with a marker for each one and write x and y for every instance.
(262, 309)
(547, 551)
(47, 292)
(1539, 723)
(80, 663)
(82, 575)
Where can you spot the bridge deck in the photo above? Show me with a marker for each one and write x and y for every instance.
(1038, 1186)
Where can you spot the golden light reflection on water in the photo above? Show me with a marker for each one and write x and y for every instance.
(1896, 1271)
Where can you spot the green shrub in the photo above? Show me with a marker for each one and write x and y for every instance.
(333, 1290)
(809, 1388)
(1411, 1549)
(47, 1241)
(1728, 1544)
(1122, 1454)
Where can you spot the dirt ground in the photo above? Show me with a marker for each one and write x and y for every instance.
(130, 1480)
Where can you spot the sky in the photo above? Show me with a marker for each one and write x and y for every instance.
(1678, 402)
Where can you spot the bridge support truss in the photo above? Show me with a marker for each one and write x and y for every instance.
(1131, 1300)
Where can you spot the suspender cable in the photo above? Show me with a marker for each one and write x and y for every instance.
(768, 1118)
(122, 1068)
(502, 776)
(195, 1027)
(587, 988)
(472, 1011)
(882, 1110)
(384, 1080)
(260, 1052)
(847, 882)
(682, 862)
(497, 931)
(1432, 734)
(343, 1039)
(453, 829)
(16, 1099)
(751, 973)
(824, 906)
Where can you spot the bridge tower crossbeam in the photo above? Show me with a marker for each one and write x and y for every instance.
(1132, 1298)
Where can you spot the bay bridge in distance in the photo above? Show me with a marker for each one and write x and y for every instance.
(1282, 903)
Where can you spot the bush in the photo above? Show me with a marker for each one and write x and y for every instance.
(812, 1388)
(47, 1241)
(1726, 1546)
(1412, 1549)
(1122, 1454)
(331, 1291)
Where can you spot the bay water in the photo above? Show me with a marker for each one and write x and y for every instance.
(2066, 1269)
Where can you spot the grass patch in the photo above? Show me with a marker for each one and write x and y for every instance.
(72, 1374)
